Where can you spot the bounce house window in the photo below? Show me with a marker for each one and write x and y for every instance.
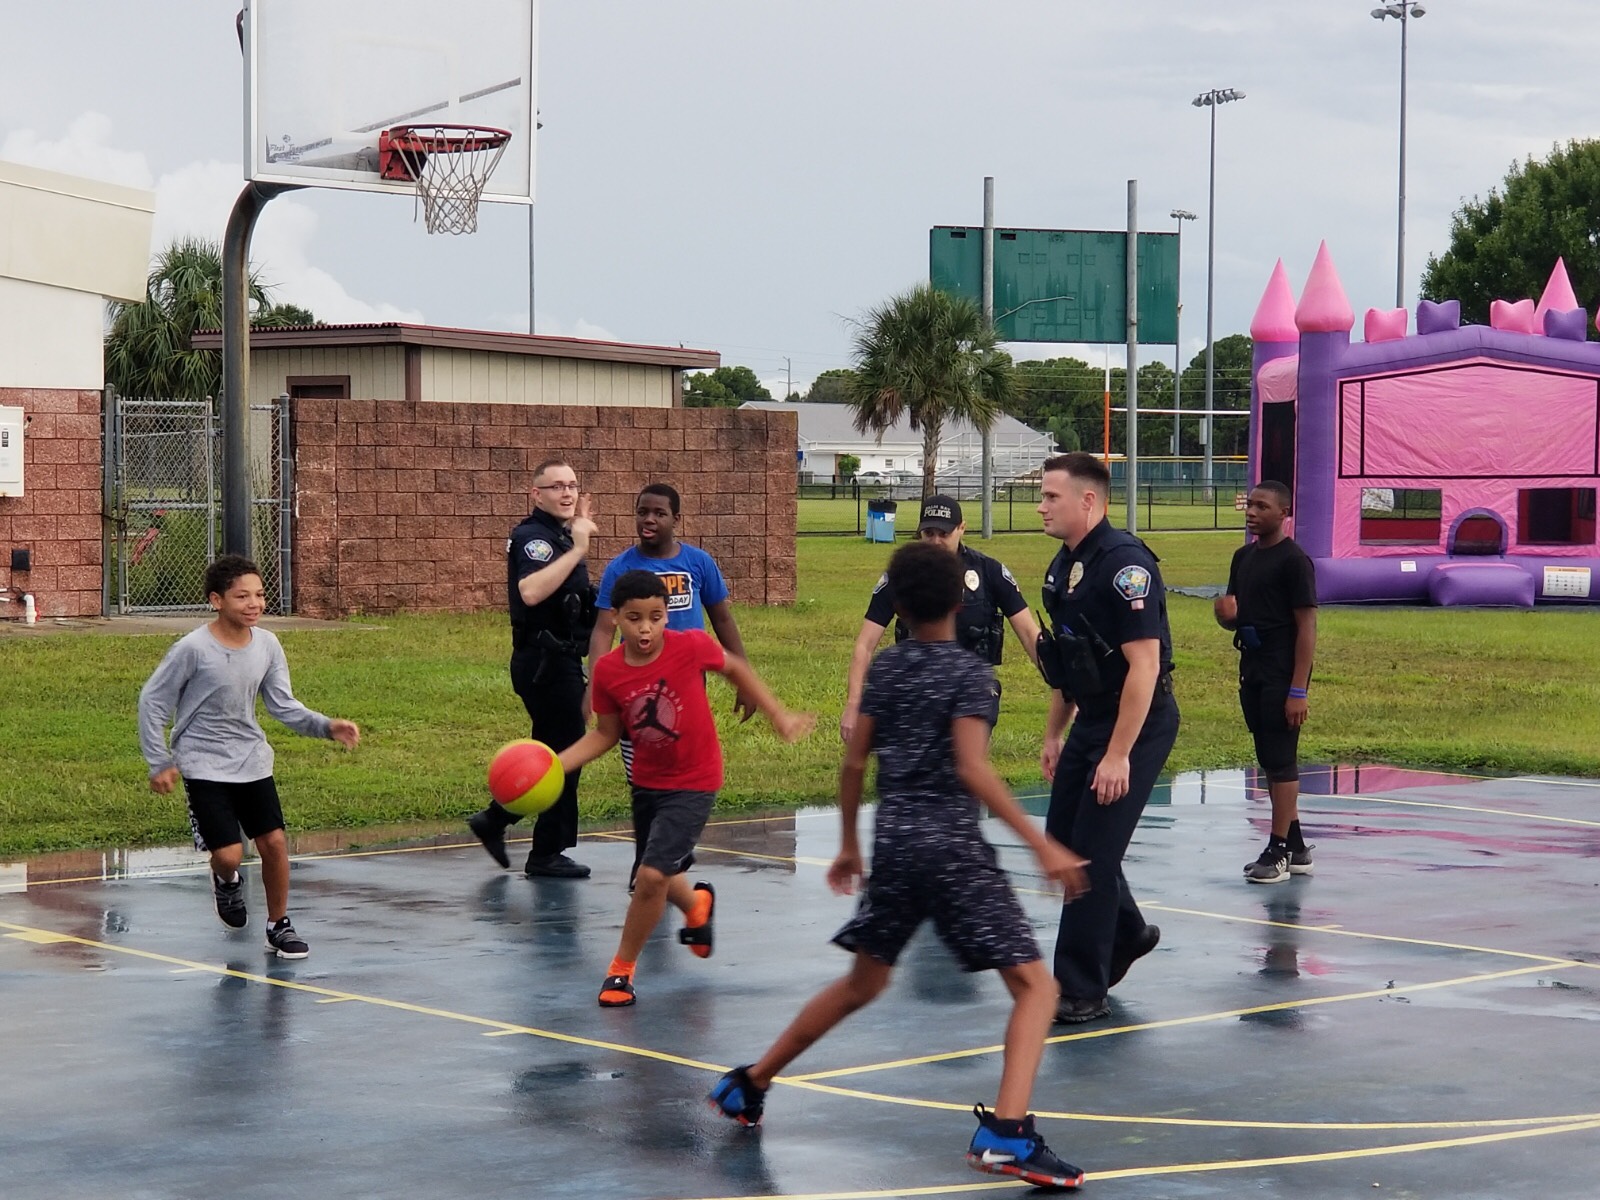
(1277, 443)
(1400, 516)
(1476, 535)
(1555, 516)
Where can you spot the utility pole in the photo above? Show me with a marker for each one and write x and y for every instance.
(986, 446)
(1133, 356)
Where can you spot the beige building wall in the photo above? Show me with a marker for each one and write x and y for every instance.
(376, 372)
(453, 376)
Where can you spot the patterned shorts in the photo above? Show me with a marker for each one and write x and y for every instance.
(959, 886)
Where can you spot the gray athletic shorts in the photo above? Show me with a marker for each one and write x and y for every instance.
(666, 825)
(955, 883)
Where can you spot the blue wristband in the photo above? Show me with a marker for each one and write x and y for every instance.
(1297, 693)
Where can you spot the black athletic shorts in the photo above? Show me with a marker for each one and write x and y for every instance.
(1277, 743)
(959, 885)
(666, 825)
(218, 812)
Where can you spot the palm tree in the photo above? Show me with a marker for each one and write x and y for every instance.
(933, 357)
(147, 344)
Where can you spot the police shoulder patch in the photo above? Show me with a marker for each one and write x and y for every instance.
(883, 582)
(1005, 573)
(1132, 583)
(539, 550)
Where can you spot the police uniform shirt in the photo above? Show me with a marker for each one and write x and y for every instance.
(988, 586)
(1109, 586)
(1271, 583)
(533, 546)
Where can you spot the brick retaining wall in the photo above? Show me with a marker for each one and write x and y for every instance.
(57, 518)
(405, 506)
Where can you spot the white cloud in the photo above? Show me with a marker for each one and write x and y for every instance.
(85, 149)
(194, 201)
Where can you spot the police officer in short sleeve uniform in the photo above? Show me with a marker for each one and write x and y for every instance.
(1108, 660)
(990, 598)
(545, 564)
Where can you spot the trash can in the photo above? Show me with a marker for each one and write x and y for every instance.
(880, 520)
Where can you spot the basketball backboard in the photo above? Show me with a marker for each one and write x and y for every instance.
(324, 78)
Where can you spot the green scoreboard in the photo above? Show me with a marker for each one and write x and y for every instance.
(1062, 285)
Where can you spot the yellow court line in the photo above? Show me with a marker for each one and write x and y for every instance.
(1469, 808)
(1245, 1164)
(1170, 1023)
(46, 936)
(1548, 959)
(329, 855)
(810, 862)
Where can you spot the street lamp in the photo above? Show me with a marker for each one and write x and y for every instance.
(1180, 215)
(1402, 11)
(1211, 100)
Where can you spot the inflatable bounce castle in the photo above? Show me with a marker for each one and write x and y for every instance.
(1454, 465)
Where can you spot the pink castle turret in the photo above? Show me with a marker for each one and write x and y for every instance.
(1558, 296)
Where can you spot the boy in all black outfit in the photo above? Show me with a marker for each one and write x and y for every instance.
(1271, 607)
(926, 712)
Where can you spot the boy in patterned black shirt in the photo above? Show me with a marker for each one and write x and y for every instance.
(927, 711)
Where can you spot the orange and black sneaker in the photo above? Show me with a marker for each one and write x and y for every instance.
(697, 930)
(617, 991)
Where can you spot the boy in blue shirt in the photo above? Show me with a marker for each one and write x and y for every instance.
(695, 587)
(926, 712)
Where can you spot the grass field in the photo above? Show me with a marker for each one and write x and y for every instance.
(1493, 691)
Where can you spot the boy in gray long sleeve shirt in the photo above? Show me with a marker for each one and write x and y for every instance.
(207, 686)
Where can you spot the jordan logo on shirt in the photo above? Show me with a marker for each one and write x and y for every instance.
(653, 715)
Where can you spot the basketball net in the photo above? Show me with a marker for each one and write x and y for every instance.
(451, 164)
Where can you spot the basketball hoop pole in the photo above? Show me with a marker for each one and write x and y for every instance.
(236, 523)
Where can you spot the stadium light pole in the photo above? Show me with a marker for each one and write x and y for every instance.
(1211, 99)
(1180, 215)
(1402, 11)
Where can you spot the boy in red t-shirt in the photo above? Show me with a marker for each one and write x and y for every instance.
(653, 688)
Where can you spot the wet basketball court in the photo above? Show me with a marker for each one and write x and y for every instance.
(1416, 1019)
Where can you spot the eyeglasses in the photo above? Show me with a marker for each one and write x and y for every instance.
(556, 487)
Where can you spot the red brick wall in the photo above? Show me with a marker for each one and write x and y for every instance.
(407, 506)
(57, 518)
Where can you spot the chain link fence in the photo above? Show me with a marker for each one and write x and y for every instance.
(841, 508)
(164, 495)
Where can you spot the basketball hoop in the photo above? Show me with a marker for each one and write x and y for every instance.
(450, 165)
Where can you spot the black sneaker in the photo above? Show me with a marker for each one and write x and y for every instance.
(491, 835)
(1072, 1010)
(736, 1098)
(555, 866)
(231, 909)
(283, 941)
(1016, 1149)
(1272, 866)
(1148, 941)
(1300, 860)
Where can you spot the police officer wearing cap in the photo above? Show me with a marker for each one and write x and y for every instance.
(1108, 661)
(552, 614)
(990, 599)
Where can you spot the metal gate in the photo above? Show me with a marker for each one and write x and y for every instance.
(163, 484)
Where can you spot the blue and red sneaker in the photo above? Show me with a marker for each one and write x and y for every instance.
(737, 1098)
(1015, 1148)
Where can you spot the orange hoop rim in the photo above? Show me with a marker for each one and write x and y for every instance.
(446, 139)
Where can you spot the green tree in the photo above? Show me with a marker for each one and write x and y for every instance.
(846, 466)
(1230, 388)
(931, 357)
(147, 345)
(831, 387)
(1503, 247)
(726, 387)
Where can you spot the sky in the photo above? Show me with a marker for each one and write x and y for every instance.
(750, 176)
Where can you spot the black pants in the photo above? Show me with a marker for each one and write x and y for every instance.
(1105, 918)
(551, 689)
(1261, 700)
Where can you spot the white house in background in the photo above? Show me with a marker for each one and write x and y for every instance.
(828, 430)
